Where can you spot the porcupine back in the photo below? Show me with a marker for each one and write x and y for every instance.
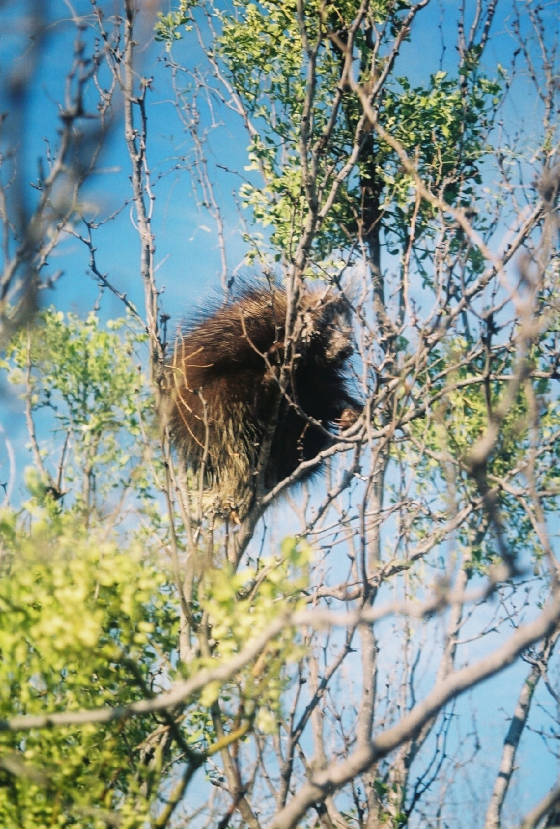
(225, 396)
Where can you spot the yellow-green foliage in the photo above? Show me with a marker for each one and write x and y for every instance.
(240, 606)
(82, 625)
(88, 619)
(441, 124)
(83, 375)
(462, 400)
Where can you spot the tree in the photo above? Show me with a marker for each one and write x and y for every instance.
(325, 662)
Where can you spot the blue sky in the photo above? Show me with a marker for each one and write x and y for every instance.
(187, 254)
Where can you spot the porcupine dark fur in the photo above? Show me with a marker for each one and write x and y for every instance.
(225, 398)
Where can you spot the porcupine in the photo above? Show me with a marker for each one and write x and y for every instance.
(226, 401)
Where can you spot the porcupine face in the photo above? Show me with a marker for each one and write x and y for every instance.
(226, 401)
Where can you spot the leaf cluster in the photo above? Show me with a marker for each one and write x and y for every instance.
(84, 625)
(289, 79)
(83, 379)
